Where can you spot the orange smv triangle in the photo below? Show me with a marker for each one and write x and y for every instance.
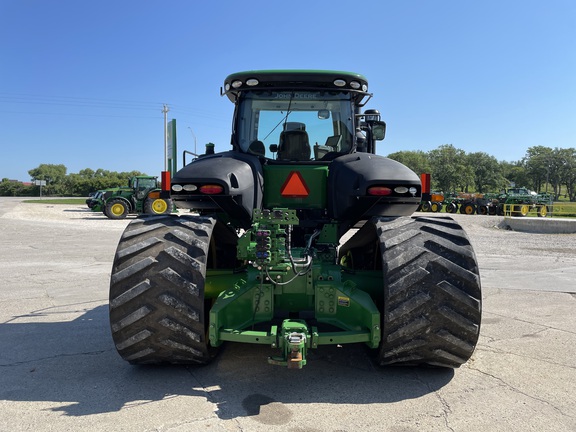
(294, 186)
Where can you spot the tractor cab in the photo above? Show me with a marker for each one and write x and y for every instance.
(316, 118)
(301, 141)
(142, 186)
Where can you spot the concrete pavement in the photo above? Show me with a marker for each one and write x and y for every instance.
(60, 370)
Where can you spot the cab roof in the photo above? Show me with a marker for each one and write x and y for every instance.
(289, 79)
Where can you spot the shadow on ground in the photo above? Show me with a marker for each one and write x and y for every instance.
(75, 363)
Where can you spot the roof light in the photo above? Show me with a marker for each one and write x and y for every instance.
(189, 187)
(227, 86)
(252, 82)
(364, 88)
(355, 85)
(176, 187)
(236, 84)
(339, 83)
(379, 191)
(211, 189)
(401, 189)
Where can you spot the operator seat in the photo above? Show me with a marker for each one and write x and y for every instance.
(294, 144)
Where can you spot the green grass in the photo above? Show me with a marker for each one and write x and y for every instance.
(69, 201)
(562, 209)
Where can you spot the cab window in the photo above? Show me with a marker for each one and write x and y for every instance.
(295, 125)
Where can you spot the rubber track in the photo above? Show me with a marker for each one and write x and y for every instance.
(432, 294)
(157, 310)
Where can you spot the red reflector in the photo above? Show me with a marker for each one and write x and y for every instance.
(425, 180)
(294, 186)
(211, 189)
(379, 190)
(165, 179)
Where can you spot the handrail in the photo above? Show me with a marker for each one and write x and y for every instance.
(556, 210)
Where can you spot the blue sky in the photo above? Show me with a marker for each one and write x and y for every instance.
(82, 83)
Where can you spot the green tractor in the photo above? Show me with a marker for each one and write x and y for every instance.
(142, 195)
(521, 201)
(299, 236)
(517, 202)
(94, 198)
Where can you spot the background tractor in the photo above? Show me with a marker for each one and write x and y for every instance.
(512, 202)
(142, 195)
(93, 198)
(299, 236)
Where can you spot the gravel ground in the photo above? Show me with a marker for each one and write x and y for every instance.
(61, 372)
(74, 216)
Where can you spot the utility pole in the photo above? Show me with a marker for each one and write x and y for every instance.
(165, 110)
(193, 136)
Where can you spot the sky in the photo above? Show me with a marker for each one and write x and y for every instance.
(83, 83)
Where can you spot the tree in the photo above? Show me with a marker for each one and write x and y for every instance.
(78, 184)
(54, 175)
(49, 172)
(568, 171)
(538, 162)
(14, 188)
(559, 169)
(75, 184)
(514, 173)
(417, 160)
(486, 171)
(450, 169)
(88, 180)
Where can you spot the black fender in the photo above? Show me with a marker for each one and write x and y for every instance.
(239, 174)
(351, 175)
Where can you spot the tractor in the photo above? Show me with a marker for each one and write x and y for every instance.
(94, 198)
(141, 196)
(299, 236)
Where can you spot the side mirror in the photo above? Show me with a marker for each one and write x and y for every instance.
(273, 148)
(323, 114)
(378, 130)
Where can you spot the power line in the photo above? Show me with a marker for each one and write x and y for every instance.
(94, 103)
(76, 114)
(76, 101)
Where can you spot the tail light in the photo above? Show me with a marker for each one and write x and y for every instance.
(211, 189)
(379, 191)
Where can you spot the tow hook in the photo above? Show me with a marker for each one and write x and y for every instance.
(297, 344)
(292, 341)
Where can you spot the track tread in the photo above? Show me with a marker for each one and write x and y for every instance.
(432, 297)
(157, 308)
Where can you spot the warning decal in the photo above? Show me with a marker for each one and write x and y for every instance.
(294, 186)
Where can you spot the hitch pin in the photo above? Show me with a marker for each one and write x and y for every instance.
(296, 338)
(297, 342)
